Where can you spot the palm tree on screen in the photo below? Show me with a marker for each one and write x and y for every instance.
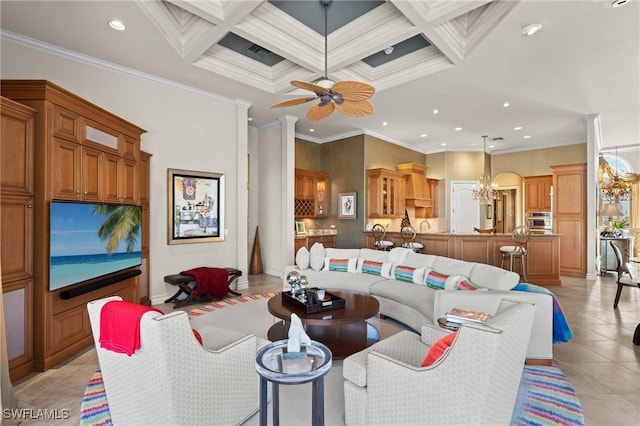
(122, 224)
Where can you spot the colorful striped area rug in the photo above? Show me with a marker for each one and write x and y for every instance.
(229, 301)
(545, 398)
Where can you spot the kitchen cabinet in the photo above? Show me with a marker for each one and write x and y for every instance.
(385, 193)
(311, 194)
(537, 193)
(328, 241)
(569, 217)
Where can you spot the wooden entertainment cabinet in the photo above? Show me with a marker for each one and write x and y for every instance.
(67, 149)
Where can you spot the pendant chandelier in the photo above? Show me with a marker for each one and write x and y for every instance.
(617, 187)
(485, 191)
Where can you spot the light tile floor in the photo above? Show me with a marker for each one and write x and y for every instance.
(600, 361)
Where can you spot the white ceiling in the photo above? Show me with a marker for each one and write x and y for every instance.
(585, 60)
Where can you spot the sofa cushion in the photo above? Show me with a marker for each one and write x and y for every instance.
(418, 297)
(316, 256)
(302, 258)
(417, 260)
(335, 253)
(493, 278)
(408, 274)
(397, 255)
(448, 266)
(438, 349)
(340, 265)
(374, 268)
(375, 255)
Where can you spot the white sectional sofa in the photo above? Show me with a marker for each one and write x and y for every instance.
(417, 303)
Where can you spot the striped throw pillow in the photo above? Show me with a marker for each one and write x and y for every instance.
(340, 265)
(408, 274)
(465, 284)
(371, 267)
(436, 280)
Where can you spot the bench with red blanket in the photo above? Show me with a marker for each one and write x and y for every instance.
(197, 283)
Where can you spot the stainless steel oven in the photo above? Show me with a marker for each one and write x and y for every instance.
(539, 222)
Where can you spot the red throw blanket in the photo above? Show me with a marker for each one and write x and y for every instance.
(120, 326)
(210, 280)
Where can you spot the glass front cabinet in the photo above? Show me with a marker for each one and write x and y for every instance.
(386, 193)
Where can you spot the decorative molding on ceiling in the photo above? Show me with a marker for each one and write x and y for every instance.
(194, 28)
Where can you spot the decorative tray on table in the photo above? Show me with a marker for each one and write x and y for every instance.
(330, 301)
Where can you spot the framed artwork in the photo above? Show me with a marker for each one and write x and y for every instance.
(196, 206)
(300, 228)
(347, 205)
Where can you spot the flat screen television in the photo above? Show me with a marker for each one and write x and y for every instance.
(92, 240)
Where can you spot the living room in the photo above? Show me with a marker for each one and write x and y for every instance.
(194, 129)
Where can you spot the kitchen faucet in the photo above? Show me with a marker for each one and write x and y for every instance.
(422, 223)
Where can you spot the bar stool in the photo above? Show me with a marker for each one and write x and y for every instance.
(409, 237)
(379, 234)
(520, 236)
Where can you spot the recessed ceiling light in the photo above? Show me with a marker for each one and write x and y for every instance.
(531, 29)
(505, 105)
(517, 128)
(249, 118)
(492, 146)
(618, 3)
(388, 50)
(424, 135)
(312, 130)
(384, 123)
(117, 25)
(435, 111)
(443, 144)
(457, 129)
(526, 137)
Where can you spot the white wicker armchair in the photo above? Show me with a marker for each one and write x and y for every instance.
(172, 379)
(475, 381)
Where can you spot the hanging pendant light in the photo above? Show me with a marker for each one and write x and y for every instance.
(485, 191)
(617, 187)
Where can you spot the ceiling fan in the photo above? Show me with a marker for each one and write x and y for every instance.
(348, 97)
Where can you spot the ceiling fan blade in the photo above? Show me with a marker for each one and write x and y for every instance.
(355, 109)
(320, 112)
(291, 102)
(319, 90)
(354, 90)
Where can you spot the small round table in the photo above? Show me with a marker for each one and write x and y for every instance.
(274, 365)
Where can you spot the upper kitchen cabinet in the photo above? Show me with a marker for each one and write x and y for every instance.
(385, 193)
(537, 193)
(420, 191)
(311, 194)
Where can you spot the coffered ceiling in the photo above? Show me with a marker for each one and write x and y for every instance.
(465, 59)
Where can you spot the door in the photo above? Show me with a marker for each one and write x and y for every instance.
(465, 211)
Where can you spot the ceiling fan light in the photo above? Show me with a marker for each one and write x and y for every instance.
(325, 83)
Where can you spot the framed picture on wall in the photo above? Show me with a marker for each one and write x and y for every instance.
(347, 205)
(300, 228)
(196, 206)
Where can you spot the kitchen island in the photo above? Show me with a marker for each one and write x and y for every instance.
(543, 257)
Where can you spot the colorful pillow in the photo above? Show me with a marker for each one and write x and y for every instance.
(438, 349)
(374, 268)
(340, 265)
(408, 274)
(198, 336)
(465, 284)
(302, 258)
(436, 280)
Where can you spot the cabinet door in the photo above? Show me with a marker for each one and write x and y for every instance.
(547, 187)
(91, 176)
(129, 181)
(66, 170)
(112, 178)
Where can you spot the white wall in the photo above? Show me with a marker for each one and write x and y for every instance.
(186, 129)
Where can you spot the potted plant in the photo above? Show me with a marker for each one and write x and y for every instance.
(621, 227)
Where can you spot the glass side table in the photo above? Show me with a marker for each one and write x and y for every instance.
(272, 366)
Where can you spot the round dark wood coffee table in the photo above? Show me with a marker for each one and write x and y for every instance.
(344, 330)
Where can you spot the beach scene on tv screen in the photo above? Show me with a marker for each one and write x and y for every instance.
(91, 240)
